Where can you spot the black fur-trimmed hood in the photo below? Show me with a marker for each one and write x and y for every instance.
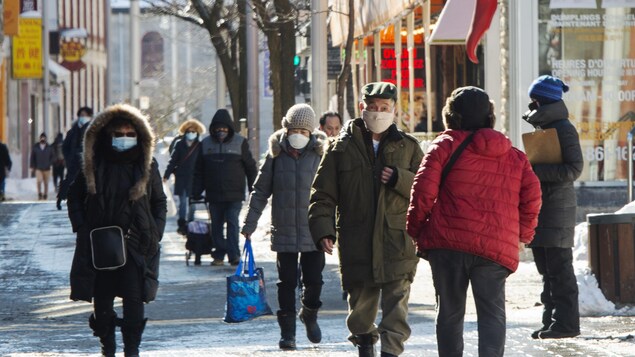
(145, 140)
(277, 143)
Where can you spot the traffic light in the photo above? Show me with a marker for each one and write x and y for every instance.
(296, 60)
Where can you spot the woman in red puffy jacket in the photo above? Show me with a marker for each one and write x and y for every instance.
(470, 224)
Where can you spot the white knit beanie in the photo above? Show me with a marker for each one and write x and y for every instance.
(300, 116)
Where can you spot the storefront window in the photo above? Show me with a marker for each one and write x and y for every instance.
(591, 46)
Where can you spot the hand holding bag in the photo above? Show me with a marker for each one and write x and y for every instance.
(246, 294)
(108, 247)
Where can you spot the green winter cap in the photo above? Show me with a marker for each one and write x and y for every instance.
(382, 90)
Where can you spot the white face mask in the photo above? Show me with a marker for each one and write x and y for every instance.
(191, 136)
(298, 141)
(377, 122)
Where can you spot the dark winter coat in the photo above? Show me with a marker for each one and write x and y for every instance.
(5, 161)
(73, 148)
(123, 189)
(488, 204)
(288, 180)
(366, 217)
(182, 164)
(223, 167)
(42, 159)
(557, 219)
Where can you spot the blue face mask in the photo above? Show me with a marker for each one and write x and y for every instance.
(191, 136)
(123, 143)
(83, 120)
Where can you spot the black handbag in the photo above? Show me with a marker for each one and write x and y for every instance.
(108, 247)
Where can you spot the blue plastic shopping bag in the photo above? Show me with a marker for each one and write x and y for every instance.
(246, 293)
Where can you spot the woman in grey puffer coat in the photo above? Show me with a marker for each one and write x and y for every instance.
(553, 241)
(287, 173)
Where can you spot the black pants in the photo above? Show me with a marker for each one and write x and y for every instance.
(452, 271)
(559, 289)
(311, 266)
(58, 175)
(125, 282)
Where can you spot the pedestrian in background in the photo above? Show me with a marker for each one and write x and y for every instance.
(225, 169)
(359, 199)
(470, 222)
(72, 150)
(119, 185)
(58, 164)
(182, 162)
(286, 175)
(331, 123)
(42, 158)
(5, 168)
(556, 224)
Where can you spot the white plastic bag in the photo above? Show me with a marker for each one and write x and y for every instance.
(170, 200)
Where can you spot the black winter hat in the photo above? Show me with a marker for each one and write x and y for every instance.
(222, 118)
(473, 106)
(383, 90)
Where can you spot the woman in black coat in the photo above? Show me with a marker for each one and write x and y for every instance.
(119, 185)
(182, 162)
(553, 241)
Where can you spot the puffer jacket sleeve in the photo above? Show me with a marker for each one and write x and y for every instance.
(572, 162)
(324, 198)
(529, 203)
(75, 203)
(158, 200)
(405, 177)
(175, 159)
(263, 188)
(251, 169)
(425, 189)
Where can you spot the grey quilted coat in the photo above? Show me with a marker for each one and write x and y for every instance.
(288, 181)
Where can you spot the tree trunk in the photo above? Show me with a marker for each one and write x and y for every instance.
(287, 70)
(342, 78)
(242, 63)
(273, 43)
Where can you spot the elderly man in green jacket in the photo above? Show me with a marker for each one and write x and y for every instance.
(359, 199)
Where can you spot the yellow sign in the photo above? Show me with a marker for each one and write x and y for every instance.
(72, 53)
(10, 15)
(27, 49)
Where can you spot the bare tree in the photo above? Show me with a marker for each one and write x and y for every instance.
(223, 23)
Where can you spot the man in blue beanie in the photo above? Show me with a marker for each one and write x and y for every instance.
(553, 241)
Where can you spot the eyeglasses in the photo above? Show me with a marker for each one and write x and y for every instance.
(119, 134)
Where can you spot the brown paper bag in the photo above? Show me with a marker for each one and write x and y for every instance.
(543, 147)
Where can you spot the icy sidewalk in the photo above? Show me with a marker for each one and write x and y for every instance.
(36, 248)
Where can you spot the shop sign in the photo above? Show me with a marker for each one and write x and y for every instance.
(11, 16)
(389, 66)
(72, 53)
(27, 49)
(590, 48)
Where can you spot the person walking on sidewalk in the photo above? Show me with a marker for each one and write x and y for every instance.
(554, 235)
(286, 174)
(42, 158)
(224, 169)
(182, 161)
(119, 185)
(72, 150)
(5, 168)
(470, 216)
(58, 164)
(359, 200)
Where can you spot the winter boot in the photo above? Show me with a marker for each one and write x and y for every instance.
(104, 328)
(308, 317)
(132, 331)
(365, 345)
(182, 230)
(286, 320)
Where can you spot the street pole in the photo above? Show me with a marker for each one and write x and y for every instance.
(319, 74)
(220, 85)
(135, 53)
(173, 70)
(253, 88)
(46, 124)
